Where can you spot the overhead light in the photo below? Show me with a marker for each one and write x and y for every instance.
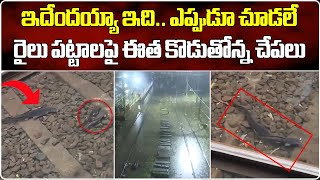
(137, 80)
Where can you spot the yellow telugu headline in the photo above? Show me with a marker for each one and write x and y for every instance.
(147, 18)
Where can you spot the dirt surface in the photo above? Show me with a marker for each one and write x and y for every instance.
(103, 80)
(94, 152)
(293, 94)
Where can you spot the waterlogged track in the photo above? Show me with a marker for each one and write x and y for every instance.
(189, 152)
(55, 145)
(196, 139)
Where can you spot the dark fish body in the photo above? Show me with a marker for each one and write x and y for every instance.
(257, 127)
(282, 141)
(95, 120)
(265, 134)
(36, 113)
(94, 113)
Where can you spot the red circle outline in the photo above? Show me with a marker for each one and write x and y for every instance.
(89, 101)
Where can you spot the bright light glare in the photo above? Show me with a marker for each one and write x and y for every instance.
(125, 85)
(137, 80)
(126, 91)
(125, 75)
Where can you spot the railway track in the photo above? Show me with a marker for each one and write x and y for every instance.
(201, 166)
(55, 145)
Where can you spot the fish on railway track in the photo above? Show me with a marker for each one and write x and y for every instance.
(254, 124)
(264, 134)
(34, 114)
(95, 117)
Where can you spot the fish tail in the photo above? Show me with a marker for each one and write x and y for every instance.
(9, 120)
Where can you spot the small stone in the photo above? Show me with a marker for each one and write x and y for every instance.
(105, 152)
(60, 106)
(219, 105)
(260, 147)
(91, 152)
(99, 164)
(18, 149)
(279, 86)
(73, 144)
(232, 122)
(299, 108)
(226, 98)
(273, 128)
(290, 124)
(217, 96)
(38, 167)
(16, 132)
(54, 141)
(292, 88)
(222, 76)
(23, 166)
(39, 174)
(12, 159)
(289, 107)
(11, 164)
(24, 172)
(4, 166)
(46, 170)
(23, 135)
(15, 168)
(42, 163)
(105, 121)
(40, 156)
(244, 129)
(278, 125)
(71, 91)
(309, 116)
(272, 92)
(302, 114)
(71, 123)
(66, 128)
(298, 120)
(267, 120)
(87, 167)
(4, 152)
(277, 118)
(31, 169)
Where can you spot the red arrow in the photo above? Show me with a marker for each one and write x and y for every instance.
(31, 97)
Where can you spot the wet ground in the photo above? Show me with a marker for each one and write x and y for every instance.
(186, 153)
(218, 173)
(93, 152)
(294, 94)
